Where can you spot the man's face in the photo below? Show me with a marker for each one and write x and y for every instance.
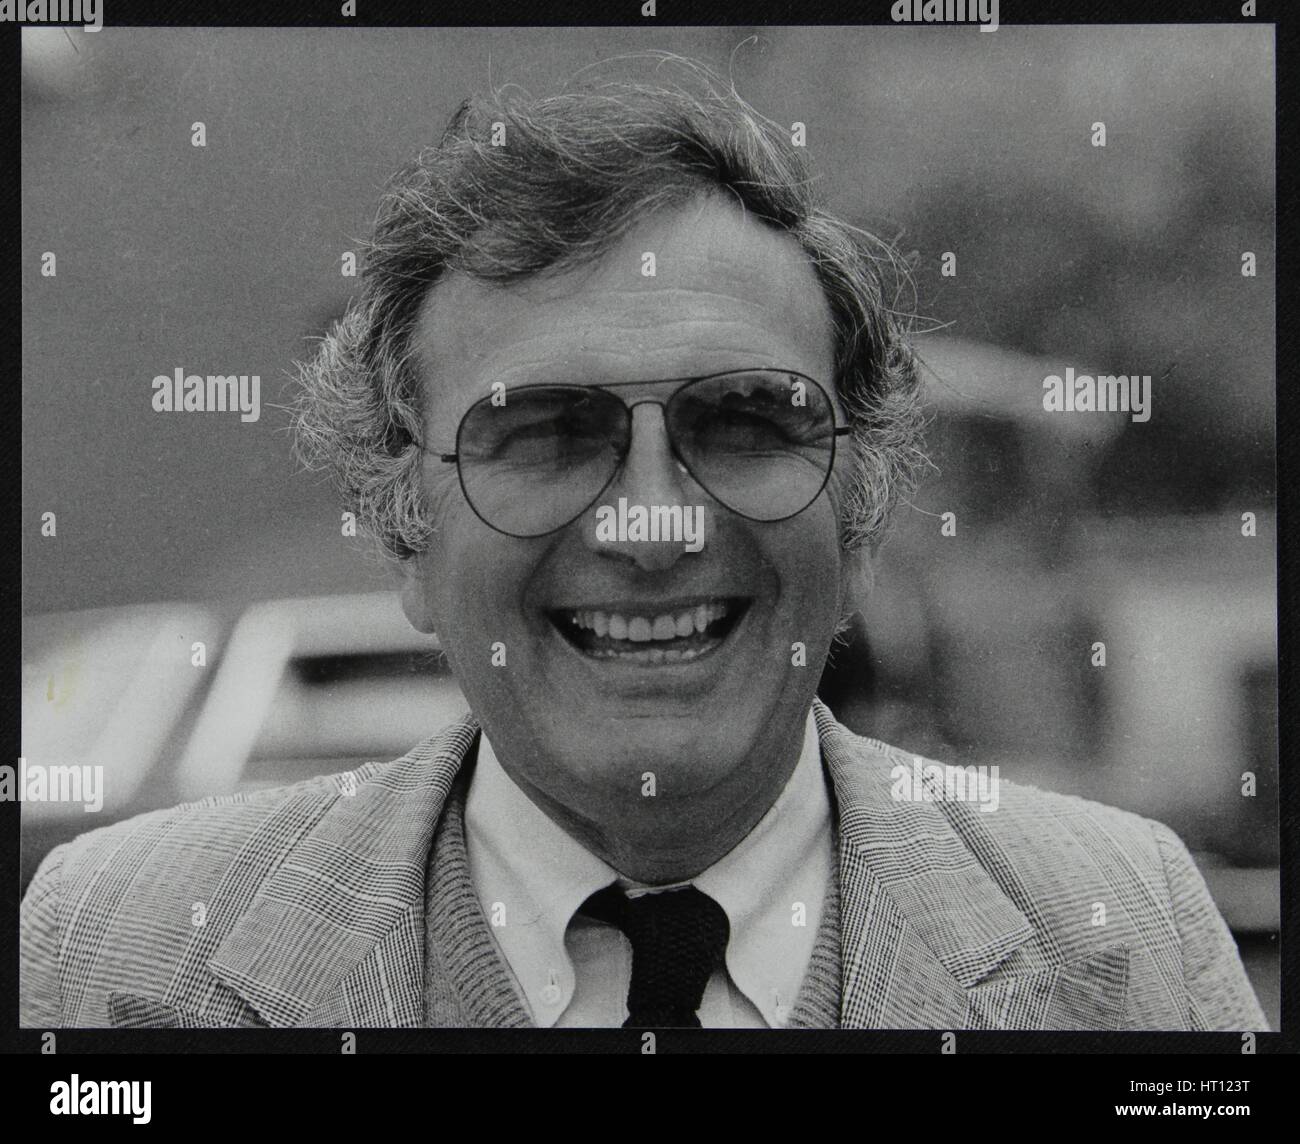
(579, 722)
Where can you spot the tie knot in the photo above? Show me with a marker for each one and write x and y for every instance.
(678, 938)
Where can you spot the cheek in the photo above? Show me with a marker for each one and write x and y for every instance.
(455, 581)
(809, 561)
(477, 580)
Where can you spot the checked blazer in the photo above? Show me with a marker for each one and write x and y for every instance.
(346, 901)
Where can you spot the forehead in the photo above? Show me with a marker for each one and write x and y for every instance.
(727, 292)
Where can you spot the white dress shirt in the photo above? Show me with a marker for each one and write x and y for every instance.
(531, 877)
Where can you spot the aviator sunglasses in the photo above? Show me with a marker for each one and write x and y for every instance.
(534, 458)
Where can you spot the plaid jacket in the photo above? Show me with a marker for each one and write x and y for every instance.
(346, 901)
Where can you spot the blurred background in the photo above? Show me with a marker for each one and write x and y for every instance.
(1072, 529)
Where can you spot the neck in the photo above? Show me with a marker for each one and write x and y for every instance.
(658, 841)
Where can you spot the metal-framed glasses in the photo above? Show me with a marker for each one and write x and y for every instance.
(534, 458)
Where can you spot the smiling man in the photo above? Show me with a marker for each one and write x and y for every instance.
(624, 300)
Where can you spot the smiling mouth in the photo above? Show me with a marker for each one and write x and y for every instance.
(678, 635)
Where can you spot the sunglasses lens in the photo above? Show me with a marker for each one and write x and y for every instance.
(762, 443)
(533, 459)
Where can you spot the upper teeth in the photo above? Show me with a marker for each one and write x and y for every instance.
(642, 629)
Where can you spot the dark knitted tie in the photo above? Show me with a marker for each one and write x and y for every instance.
(678, 939)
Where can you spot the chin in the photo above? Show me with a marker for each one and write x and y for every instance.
(685, 754)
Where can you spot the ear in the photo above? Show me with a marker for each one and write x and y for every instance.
(857, 579)
(411, 587)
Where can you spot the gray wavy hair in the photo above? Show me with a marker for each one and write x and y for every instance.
(575, 171)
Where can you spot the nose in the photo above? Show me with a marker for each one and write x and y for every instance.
(651, 478)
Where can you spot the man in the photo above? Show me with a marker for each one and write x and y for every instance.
(629, 413)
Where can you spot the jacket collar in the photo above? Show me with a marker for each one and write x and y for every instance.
(923, 925)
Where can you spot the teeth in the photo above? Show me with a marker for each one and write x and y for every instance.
(645, 629)
(652, 655)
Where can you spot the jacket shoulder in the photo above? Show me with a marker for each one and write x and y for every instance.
(1019, 813)
(1025, 810)
(138, 903)
(199, 833)
(1080, 870)
(223, 825)
(1091, 842)
(1022, 817)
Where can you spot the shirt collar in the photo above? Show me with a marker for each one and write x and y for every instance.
(532, 876)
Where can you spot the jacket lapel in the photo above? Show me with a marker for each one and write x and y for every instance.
(927, 935)
(335, 936)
